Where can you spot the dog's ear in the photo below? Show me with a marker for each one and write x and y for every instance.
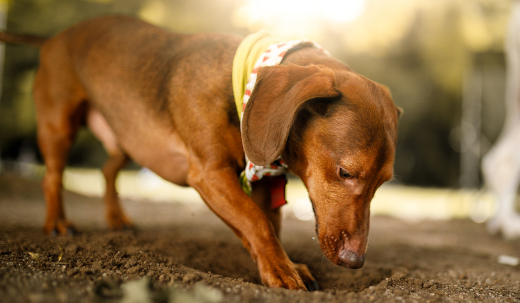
(279, 93)
(400, 111)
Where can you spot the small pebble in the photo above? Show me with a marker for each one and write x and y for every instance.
(508, 260)
(190, 277)
(383, 284)
(398, 275)
(71, 272)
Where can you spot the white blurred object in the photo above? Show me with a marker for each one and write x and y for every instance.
(148, 179)
(481, 209)
(26, 160)
(137, 291)
(302, 209)
(501, 166)
(508, 260)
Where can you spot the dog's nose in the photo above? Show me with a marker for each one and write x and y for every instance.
(350, 259)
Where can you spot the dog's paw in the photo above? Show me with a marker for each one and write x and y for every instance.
(285, 276)
(307, 277)
(119, 222)
(59, 227)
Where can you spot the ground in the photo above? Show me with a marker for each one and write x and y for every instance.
(184, 253)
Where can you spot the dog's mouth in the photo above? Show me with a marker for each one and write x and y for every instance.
(337, 247)
(338, 250)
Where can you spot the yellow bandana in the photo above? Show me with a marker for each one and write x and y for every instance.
(254, 52)
(248, 52)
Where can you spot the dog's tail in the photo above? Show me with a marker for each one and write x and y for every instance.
(22, 39)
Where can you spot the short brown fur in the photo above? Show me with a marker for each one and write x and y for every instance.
(166, 101)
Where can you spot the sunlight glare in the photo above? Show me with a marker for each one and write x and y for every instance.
(342, 10)
(295, 17)
(335, 10)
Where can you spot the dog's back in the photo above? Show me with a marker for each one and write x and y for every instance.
(124, 67)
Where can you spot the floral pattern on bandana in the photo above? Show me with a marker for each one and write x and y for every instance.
(271, 57)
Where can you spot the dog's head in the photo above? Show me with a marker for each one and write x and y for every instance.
(337, 131)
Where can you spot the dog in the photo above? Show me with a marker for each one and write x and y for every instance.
(501, 165)
(166, 101)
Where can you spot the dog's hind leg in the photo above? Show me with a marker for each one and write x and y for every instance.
(55, 141)
(60, 112)
(117, 159)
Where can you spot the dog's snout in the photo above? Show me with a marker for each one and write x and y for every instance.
(350, 259)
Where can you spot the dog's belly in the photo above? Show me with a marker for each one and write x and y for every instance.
(160, 150)
(166, 157)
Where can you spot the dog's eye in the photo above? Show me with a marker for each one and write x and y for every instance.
(344, 174)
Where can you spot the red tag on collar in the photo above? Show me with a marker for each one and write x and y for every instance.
(278, 191)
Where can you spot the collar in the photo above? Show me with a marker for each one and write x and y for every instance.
(263, 50)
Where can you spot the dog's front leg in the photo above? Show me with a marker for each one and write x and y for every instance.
(262, 197)
(220, 189)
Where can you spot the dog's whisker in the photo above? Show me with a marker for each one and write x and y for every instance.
(300, 216)
(319, 261)
(305, 254)
(314, 254)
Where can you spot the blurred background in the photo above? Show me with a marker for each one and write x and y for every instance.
(443, 61)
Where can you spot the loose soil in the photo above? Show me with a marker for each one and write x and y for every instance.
(184, 253)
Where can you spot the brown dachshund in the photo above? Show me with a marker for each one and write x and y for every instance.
(166, 101)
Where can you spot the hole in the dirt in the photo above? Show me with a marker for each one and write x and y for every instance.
(352, 280)
(334, 277)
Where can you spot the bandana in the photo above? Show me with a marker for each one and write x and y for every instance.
(273, 54)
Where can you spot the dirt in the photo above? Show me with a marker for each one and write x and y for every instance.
(184, 253)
